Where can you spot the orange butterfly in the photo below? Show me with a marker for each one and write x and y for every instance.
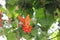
(25, 26)
(0, 18)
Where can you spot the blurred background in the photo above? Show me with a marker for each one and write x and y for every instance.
(44, 12)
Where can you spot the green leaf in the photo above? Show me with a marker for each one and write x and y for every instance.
(40, 13)
(54, 35)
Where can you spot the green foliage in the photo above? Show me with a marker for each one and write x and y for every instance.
(47, 11)
(40, 13)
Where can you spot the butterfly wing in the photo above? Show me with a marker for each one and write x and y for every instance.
(27, 19)
(21, 19)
